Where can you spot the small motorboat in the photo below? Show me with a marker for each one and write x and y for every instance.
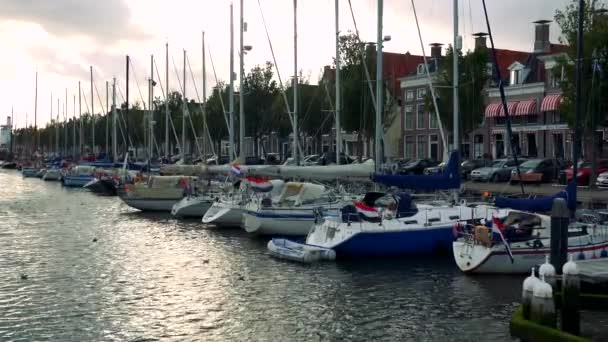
(9, 165)
(29, 171)
(78, 176)
(52, 174)
(301, 252)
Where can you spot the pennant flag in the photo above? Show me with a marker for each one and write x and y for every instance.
(366, 210)
(498, 228)
(236, 170)
(259, 184)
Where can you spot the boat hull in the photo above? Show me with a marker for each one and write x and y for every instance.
(300, 252)
(101, 187)
(146, 204)
(29, 172)
(52, 175)
(191, 207)
(224, 214)
(271, 222)
(480, 259)
(76, 181)
(433, 240)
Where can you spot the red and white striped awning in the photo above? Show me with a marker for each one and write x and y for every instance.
(527, 107)
(511, 106)
(493, 109)
(550, 102)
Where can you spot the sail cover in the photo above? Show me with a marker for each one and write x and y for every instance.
(448, 179)
(539, 204)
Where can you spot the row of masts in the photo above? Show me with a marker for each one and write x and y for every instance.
(149, 123)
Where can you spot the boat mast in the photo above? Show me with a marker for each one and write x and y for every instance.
(231, 102)
(65, 124)
(114, 140)
(57, 130)
(150, 105)
(455, 49)
(92, 114)
(167, 100)
(126, 117)
(107, 121)
(36, 138)
(205, 97)
(295, 83)
(578, 83)
(379, 83)
(52, 125)
(80, 131)
(338, 95)
(74, 129)
(184, 113)
(241, 95)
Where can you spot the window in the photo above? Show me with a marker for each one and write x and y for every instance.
(515, 75)
(409, 147)
(433, 120)
(409, 95)
(420, 69)
(421, 147)
(532, 119)
(421, 93)
(501, 121)
(420, 116)
(556, 118)
(409, 117)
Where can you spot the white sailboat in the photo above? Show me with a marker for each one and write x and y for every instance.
(159, 193)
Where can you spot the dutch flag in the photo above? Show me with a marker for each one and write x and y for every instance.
(366, 210)
(498, 228)
(259, 184)
(236, 170)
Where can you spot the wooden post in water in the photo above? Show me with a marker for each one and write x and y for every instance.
(560, 218)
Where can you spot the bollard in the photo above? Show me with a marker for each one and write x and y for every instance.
(542, 308)
(570, 312)
(527, 293)
(560, 219)
(547, 271)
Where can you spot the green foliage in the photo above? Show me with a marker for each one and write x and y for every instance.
(473, 77)
(595, 52)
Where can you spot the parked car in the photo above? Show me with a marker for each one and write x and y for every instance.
(433, 170)
(602, 180)
(329, 158)
(584, 171)
(417, 166)
(537, 171)
(467, 166)
(499, 170)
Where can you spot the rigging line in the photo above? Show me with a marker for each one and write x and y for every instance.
(186, 104)
(99, 98)
(471, 17)
(124, 124)
(367, 76)
(165, 96)
(200, 103)
(276, 66)
(220, 91)
(137, 83)
(503, 98)
(430, 80)
(201, 106)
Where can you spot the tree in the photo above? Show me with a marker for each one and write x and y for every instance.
(473, 78)
(594, 72)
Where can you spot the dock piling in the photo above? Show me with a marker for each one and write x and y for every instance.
(560, 219)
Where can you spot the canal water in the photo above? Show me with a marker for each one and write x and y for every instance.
(77, 267)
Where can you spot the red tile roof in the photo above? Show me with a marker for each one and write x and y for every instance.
(507, 57)
(397, 65)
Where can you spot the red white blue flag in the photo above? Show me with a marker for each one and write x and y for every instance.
(499, 228)
(366, 210)
(259, 184)
(236, 170)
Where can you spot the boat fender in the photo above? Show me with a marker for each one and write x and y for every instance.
(537, 244)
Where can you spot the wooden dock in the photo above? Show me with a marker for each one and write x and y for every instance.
(593, 271)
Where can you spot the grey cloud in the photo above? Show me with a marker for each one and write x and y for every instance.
(104, 21)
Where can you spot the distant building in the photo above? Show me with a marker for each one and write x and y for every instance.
(5, 135)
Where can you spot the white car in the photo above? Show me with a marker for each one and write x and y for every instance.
(602, 180)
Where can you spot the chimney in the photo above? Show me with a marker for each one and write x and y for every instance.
(436, 50)
(480, 40)
(541, 36)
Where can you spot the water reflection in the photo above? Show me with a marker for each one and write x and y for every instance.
(151, 277)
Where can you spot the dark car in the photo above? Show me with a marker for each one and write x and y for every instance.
(537, 171)
(467, 166)
(417, 166)
(329, 158)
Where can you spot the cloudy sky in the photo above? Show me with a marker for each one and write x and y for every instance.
(62, 38)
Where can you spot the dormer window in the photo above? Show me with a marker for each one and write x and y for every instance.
(421, 70)
(516, 73)
(515, 77)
